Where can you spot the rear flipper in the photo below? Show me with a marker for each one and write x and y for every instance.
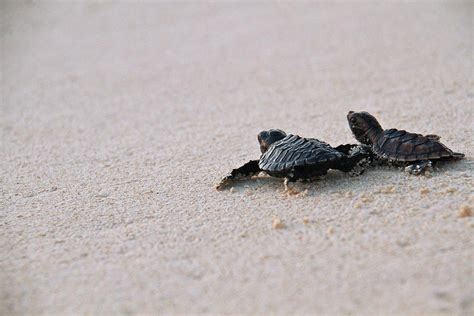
(458, 155)
(355, 164)
(346, 149)
(419, 167)
(246, 171)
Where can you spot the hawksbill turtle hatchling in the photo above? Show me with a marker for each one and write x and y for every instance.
(297, 158)
(415, 151)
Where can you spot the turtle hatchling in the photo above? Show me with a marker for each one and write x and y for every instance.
(398, 146)
(296, 158)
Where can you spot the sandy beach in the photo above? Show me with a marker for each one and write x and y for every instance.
(118, 119)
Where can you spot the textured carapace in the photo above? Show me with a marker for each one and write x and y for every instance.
(397, 145)
(293, 151)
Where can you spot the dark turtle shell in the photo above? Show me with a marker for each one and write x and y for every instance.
(397, 145)
(293, 151)
(401, 145)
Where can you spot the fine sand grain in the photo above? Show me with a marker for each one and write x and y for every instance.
(117, 120)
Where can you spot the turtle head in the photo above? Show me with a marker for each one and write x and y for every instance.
(266, 138)
(363, 125)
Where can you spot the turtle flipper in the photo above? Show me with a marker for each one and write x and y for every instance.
(246, 171)
(357, 158)
(346, 148)
(419, 167)
(354, 163)
(458, 155)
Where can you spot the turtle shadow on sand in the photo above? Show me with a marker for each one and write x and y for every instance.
(266, 183)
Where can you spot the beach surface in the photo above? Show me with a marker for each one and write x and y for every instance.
(117, 120)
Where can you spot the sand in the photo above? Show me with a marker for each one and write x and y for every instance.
(117, 120)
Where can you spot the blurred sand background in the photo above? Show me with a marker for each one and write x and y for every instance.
(118, 119)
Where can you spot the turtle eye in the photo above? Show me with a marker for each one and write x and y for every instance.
(353, 120)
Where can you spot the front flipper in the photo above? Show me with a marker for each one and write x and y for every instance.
(419, 167)
(246, 171)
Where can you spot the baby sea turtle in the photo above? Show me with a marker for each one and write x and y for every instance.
(296, 158)
(399, 146)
